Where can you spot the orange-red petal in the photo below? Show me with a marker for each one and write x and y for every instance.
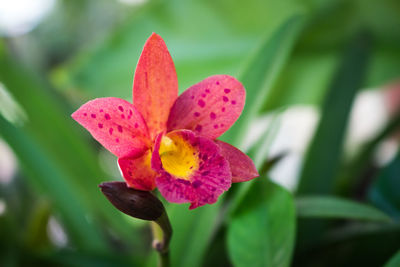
(155, 85)
(137, 172)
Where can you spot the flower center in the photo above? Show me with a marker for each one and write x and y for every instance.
(178, 157)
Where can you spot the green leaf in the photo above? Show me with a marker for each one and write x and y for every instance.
(193, 231)
(42, 172)
(304, 80)
(384, 65)
(337, 208)
(324, 153)
(354, 244)
(56, 158)
(384, 192)
(262, 230)
(394, 261)
(262, 71)
(352, 176)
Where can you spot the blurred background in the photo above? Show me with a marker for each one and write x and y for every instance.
(321, 122)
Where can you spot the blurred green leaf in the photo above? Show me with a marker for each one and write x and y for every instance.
(352, 176)
(56, 157)
(193, 232)
(384, 192)
(304, 80)
(385, 63)
(324, 153)
(355, 244)
(262, 230)
(36, 226)
(337, 208)
(262, 71)
(42, 171)
(394, 261)
(263, 146)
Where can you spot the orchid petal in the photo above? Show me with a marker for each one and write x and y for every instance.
(137, 172)
(209, 107)
(209, 177)
(116, 124)
(155, 85)
(242, 167)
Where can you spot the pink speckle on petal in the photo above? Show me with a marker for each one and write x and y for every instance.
(111, 131)
(100, 125)
(107, 116)
(136, 125)
(122, 116)
(215, 126)
(198, 128)
(208, 91)
(130, 112)
(223, 109)
(93, 116)
(196, 114)
(85, 114)
(213, 115)
(233, 102)
(225, 99)
(192, 97)
(227, 91)
(201, 103)
(203, 95)
(119, 128)
(101, 110)
(121, 108)
(117, 140)
(217, 83)
(197, 184)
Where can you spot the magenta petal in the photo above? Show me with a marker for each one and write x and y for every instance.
(209, 107)
(242, 167)
(137, 172)
(204, 185)
(116, 124)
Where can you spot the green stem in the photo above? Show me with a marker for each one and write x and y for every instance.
(162, 232)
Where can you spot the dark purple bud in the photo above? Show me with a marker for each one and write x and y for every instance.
(139, 204)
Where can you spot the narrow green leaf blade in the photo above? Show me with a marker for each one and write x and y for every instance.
(262, 230)
(324, 153)
(337, 208)
(54, 152)
(394, 261)
(384, 192)
(42, 171)
(193, 231)
(262, 72)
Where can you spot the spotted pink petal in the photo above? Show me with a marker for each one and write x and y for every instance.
(205, 184)
(209, 107)
(155, 85)
(242, 167)
(137, 172)
(116, 124)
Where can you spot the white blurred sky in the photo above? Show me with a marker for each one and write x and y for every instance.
(20, 16)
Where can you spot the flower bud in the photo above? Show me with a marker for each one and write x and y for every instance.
(139, 204)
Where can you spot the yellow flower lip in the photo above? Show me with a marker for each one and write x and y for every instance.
(178, 157)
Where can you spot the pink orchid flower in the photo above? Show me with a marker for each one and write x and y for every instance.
(169, 142)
